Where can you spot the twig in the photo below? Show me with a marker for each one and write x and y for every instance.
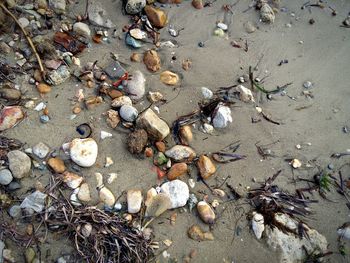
(27, 37)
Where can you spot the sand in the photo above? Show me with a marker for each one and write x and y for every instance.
(323, 58)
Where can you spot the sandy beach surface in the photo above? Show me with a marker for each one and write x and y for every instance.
(319, 53)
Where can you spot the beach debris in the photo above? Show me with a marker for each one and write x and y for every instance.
(258, 224)
(83, 151)
(156, 128)
(152, 60)
(205, 212)
(177, 170)
(135, 57)
(108, 162)
(307, 84)
(56, 164)
(105, 195)
(157, 17)
(137, 141)
(72, 180)
(59, 76)
(86, 230)
(206, 167)
(134, 200)
(84, 193)
(5, 177)
(222, 116)
(10, 116)
(187, 64)
(128, 113)
(177, 191)
(219, 32)
(169, 78)
(130, 41)
(104, 135)
(180, 153)
(267, 14)
(196, 233)
(134, 7)
(136, 86)
(112, 118)
(35, 201)
(19, 164)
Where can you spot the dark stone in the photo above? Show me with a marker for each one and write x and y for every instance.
(137, 141)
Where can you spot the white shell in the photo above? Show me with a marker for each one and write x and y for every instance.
(258, 224)
(84, 151)
(74, 198)
(105, 135)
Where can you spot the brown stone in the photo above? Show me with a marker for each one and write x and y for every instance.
(113, 118)
(161, 146)
(151, 60)
(37, 75)
(186, 135)
(137, 141)
(57, 165)
(198, 4)
(197, 233)
(169, 78)
(206, 167)
(156, 16)
(176, 171)
(93, 101)
(43, 88)
(76, 110)
(148, 152)
(135, 57)
(113, 93)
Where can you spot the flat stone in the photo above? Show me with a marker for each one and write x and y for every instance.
(120, 101)
(134, 199)
(82, 29)
(5, 177)
(180, 153)
(24, 22)
(15, 211)
(114, 70)
(35, 201)
(155, 126)
(177, 191)
(59, 6)
(84, 193)
(41, 150)
(19, 163)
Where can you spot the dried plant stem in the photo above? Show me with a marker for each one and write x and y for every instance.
(26, 35)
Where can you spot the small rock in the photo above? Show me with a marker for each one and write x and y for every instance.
(219, 32)
(135, 57)
(154, 96)
(196, 233)
(120, 101)
(104, 135)
(307, 85)
(185, 134)
(114, 70)
(130, 41)
(98, 16)
(222, 116)
(155, 127)
(198, 4)
(296, 163)
(128, 113)
(160, 146)
(152, 60)
(137, 141)
(84, 193)
(249, 27)
(186, 64)
(136, 86)
(82, 29)
(24, 22)
(266, 13)
(57, 77)
(84, 151)
(41, 150)
(134, 7)
(169, 78)
(205, 212)
(72, 180)
(258, 224)
(35, 201)
(177, 191)
(207, 128)
(180, 153)
(29, 255)
(207, 93)
(156, 16)
(176, 171)
(19, 163)
(134, 200)
(86, 230)
(222, 26)
(245, 94)
(5, 177)
(13, 186)
(160, 159)
(10, 116)
(43, 88)
(57, 165)
(15, 211)
(344, 231)
(206, 167)
(112, 118)
(93, 101)
(59, 6)
(44, 119)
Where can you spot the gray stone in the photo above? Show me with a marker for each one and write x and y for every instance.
(177, 191)
(222, 116)
(98, 16)
(24, 22)
(15, 211)
(59, 6)
(155, 126)
(58, 76)
(128, 113)
(2, 247)
(5, 177)
(114, 70)
(35, 201)
(180, 153)
(13, 186)
(82, 29)
(133, 7)
(19, 163)
(136, 86)
(41, 150)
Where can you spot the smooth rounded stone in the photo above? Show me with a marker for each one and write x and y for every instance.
(130, 41)
(15, 211)
(84, 151)
(177, 191)
(155, 126)
(266, 13)
(136, 86)
(249, 27)
(82, 29)
(176, 171)
(307, 84)
(180, 153)
(24, 22)
(258, 225)
(169, 78)
(222, 116)
(44, 119)
(10, 116)
(41, 150)
(219, 32)
(134, 7)
(42, 4)
(29, 255)
(344, 231)
(128, 113)
(206, 167)
(186, 135)
(86, 230)
(84, 193)
(13, 186)
(152, 60)
(19, 164)
(198, 4)
(59, 6)
(137, 141)
(43, 88)
(5, 177)
(207, 93)
(57, 165)
(207, 128)
(105, 195)
(134, 200)
(120, 101)
(205, 212)
(222, 26)
(156, 16)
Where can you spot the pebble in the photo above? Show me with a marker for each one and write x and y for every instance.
(59, 6)
(6, 49)
(180, 153)
(35, 201)
(41, 106)
(13, 186)
(176, 171)
(136, 86)
(295, 163)
(206, 167)
(72, 180)
(154, 96)
(98, 16)
(84, 193)
(24, 22)
(57, 165)
(104, 135)
(249, 27)
(15, 211)
(222, 26)
(43, 88)
(205, 212)
(82, 29)
(222, 116)
(10, 116)
(197, 233)
(137, 141)
(266, 13)
(120, 101)
(155, 127)
(152, 60)
(134, 200)
(258, 224)
(128, 113)
(5, 177)
(245, 94)
(219, 32)
(84, 151)
(44, 119)
(41, 150)
(207, 93)
(198, 4)
(186, 135)
(207, 128)
(307, 85)
(177, 191)
(86, 230)
(105, 195)
(156, 16)
(134, 7)
(169, 78)
(130, 41)
(19, 164)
